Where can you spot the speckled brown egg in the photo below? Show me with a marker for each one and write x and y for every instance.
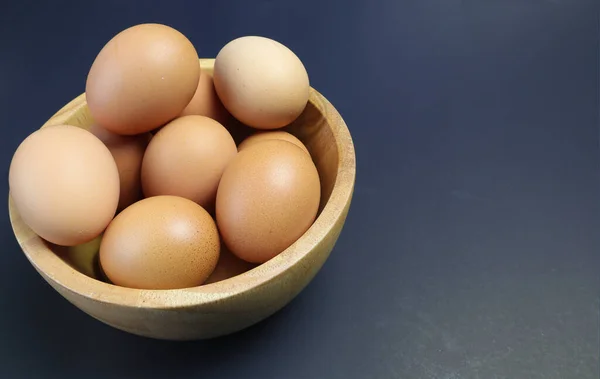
(268, 197)
(65, 184)
(187, 158)
(142, 78)
(261, 82)
(269, 135)
(162, 242)
(128, 152)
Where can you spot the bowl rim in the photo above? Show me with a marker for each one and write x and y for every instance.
(56, 271)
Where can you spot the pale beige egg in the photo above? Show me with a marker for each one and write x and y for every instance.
(261, 82)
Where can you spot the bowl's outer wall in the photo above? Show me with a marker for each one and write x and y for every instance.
(214, 319)
(198, 318)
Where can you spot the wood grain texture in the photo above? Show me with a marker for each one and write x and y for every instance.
(233, 304)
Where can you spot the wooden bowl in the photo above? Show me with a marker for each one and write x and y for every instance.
(232, 304)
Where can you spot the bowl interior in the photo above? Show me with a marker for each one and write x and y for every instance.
(319, 127)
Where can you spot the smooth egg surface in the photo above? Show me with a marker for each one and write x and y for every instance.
(65, 184)
(268, 197)
(187, 158)
(142, 78)
(261, 82)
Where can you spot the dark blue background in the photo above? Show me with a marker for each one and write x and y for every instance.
(472, 248)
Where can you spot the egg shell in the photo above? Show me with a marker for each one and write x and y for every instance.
(260, 136)
(187, 158)
(128, 153)
(142, 78)
(261, 82)
(65, 184)
(268, 197)
(206, 102)
(162, 242)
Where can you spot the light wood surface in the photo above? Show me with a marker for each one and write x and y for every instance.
(229, 305)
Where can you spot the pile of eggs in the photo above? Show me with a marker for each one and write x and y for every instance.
(158, 183)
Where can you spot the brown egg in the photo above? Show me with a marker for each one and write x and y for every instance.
(261, 82)
(128, 152)
(268, 197)
(65, 184)
(206, 102)
(269, 135)
(228, 266)
(187, 158)
(162, 242)
(142, 78)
